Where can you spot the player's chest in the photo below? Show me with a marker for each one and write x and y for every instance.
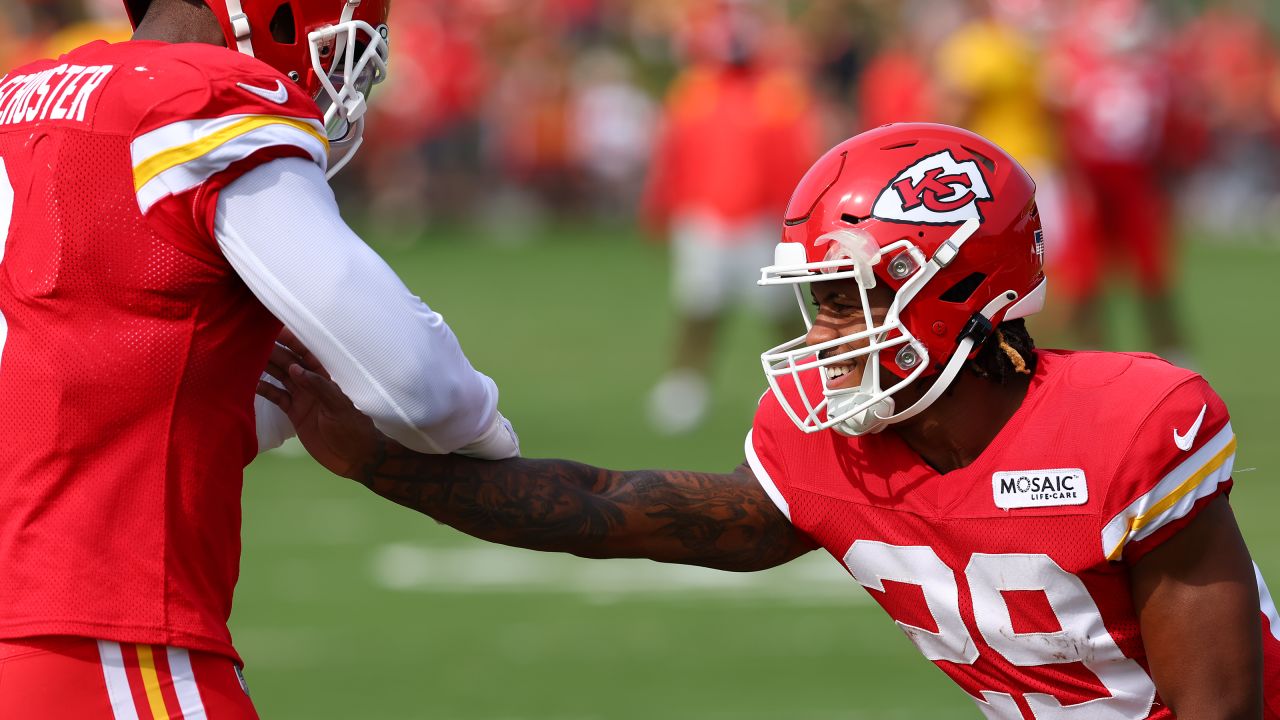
(1046, 500)
(1017, 527)
(1008, 600)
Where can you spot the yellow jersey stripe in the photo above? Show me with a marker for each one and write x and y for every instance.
(147, 170)
(1172, 498)
(151, 682)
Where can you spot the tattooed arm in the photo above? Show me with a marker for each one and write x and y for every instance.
(720, 521)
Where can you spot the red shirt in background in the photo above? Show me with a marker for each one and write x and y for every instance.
(733, 145)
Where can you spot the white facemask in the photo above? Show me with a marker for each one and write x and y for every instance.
(869, 407)
(359, 55)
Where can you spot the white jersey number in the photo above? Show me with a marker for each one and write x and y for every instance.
(1082, 639)
(6, 215)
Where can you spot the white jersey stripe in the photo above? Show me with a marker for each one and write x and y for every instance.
(191, 174)
(184, 685)
(182, 155)
(122, 707)
(766, 482)
(1268, 605)
(186, 132)
(1174, 496)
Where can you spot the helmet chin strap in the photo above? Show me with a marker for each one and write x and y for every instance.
(958, 358)
(240, 26)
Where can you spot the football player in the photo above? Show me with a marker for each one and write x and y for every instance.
(163, 209)
(1051, 528)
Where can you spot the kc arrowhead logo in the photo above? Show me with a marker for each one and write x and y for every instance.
(935, 190)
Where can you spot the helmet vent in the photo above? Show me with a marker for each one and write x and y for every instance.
(852, 219)
(808, 193)
(987, 162)
(899, 146)
(283, 28)
(962, 290)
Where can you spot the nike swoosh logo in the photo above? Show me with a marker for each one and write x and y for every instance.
(1184, 442)
(279, 96)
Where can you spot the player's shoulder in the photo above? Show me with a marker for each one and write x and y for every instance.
(1134, 400)
(206, 112)
(198, 81)
(1166, 443)
(1117, 385)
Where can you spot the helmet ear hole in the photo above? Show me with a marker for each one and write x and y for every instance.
(963, 290)
(283, 26)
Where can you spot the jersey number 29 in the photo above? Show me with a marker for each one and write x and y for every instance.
(1082, 637)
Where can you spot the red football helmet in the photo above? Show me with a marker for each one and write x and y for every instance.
(335, 49)
(941, 216)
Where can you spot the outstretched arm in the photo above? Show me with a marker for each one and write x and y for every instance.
(723, 521)
(720, 521)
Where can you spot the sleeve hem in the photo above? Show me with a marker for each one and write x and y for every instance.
(762, 477)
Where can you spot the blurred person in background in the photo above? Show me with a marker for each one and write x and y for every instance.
(526, 122)
(1112, 84)
(1228, 64)
(836, 38)
(737, 132)
(425, 163)
(611, 128)
(990, 78)
(898, 84)
(989, 70)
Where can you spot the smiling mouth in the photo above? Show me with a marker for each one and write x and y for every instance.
(838, 376)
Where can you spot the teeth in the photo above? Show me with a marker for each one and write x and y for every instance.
(835, 372)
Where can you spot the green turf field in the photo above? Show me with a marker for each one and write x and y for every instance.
(349, 607)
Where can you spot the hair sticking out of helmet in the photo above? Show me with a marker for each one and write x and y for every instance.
(942, 217)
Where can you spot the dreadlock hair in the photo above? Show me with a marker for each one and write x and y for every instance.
(1007, 353)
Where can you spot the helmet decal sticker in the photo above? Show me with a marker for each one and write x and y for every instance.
(935, 190)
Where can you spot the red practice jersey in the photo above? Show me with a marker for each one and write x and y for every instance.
(132, 350)
(733, 145)
(1012, 574)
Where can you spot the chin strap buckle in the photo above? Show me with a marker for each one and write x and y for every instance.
(240, 25)
(978, 328)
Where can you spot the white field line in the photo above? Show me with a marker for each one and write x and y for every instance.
(815, 578)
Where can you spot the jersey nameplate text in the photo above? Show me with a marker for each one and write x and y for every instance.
(59, 93)
(1039, 488)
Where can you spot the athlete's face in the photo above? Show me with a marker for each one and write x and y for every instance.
(840, 312)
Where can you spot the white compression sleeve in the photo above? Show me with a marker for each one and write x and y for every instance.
(398, 361)
(273, 424)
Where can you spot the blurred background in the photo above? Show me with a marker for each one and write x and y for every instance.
(586, 189)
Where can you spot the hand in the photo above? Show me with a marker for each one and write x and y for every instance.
(333, 431)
